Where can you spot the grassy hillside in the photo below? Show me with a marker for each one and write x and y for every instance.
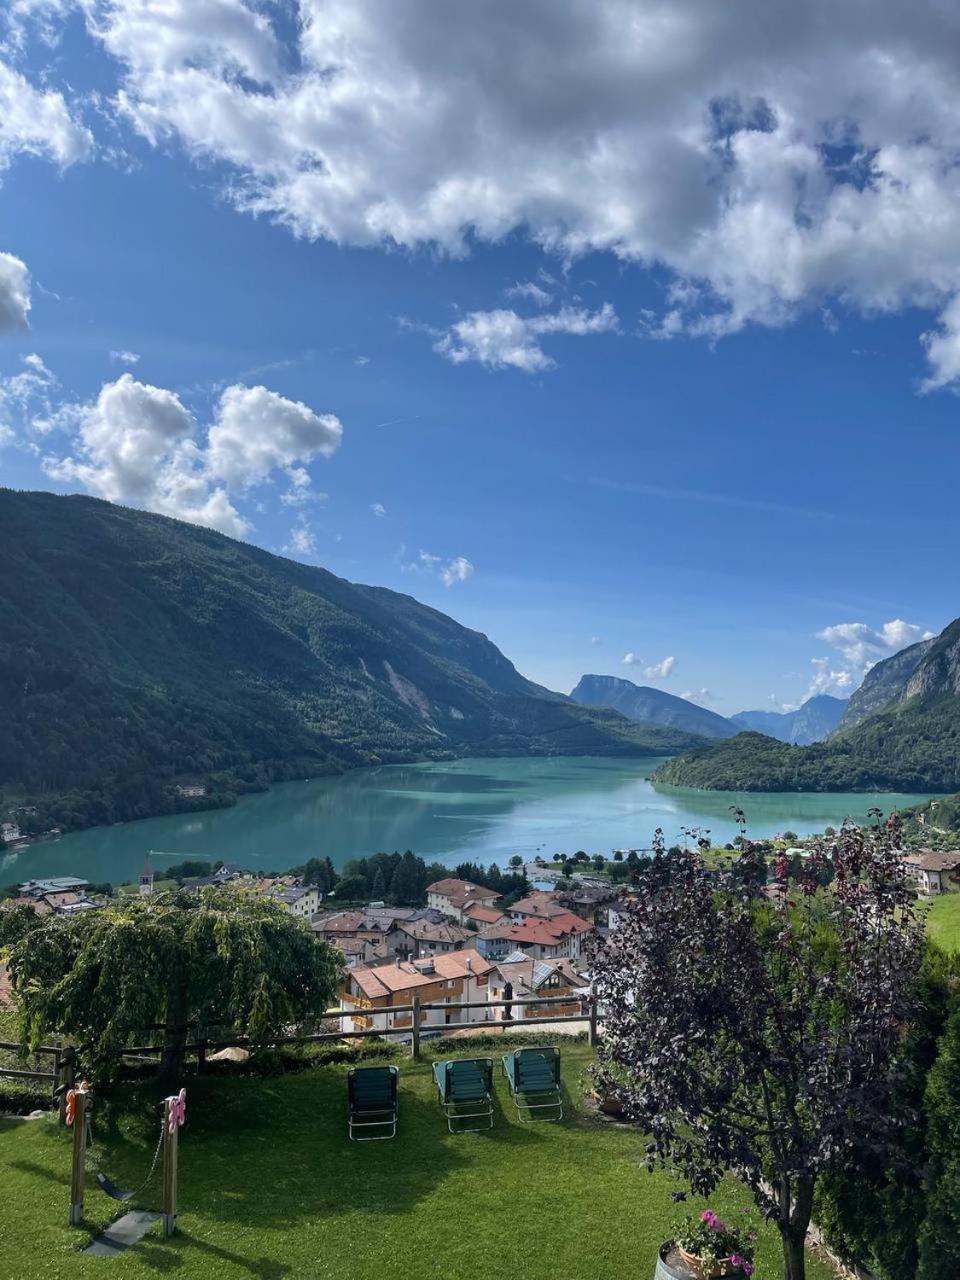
(270, 1186)
(137, 651)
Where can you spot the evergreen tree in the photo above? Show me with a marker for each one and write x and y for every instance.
(379, 889)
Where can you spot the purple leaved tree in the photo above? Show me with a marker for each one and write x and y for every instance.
(758, 1031)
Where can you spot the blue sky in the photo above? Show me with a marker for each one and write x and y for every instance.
(585, 423)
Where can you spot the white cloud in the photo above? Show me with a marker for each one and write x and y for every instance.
(37, 122)
(838, 681)
(360, 361)
(301, 489)
(449, 571)
(14, 293)
(862, 646)
(25, 398)
(655, 671)
(257, 431)
(530, 291)
(378, 509)
(459, 569)
(596, 640)
(859, 647)
(303, 541)
(767, 167)
(698, 695)
(125, 357)
(139, 444)
(502, 339)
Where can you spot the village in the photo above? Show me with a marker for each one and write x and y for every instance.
(466, 945)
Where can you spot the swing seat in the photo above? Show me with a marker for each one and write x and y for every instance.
(110, 1188)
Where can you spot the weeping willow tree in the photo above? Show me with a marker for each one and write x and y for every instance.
(224, 958)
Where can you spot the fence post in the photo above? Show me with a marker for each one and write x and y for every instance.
(415, 1038)
(78, 1165)
(68, 1079)
(170, 1137)
(56, 1073)
(592, 1034)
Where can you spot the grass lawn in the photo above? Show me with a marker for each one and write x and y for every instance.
(271, 1187)
(943, 921)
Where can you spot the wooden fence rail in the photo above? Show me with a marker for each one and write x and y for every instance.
(64, 1071)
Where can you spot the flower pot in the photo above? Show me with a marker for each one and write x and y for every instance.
(674, 1263)
(703, 1270)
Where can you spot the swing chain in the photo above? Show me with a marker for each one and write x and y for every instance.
(153, 1164)
(96, 1162)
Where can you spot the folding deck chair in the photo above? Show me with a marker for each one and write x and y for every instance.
(372, 1100)
(465, 1082)
(534, 1079)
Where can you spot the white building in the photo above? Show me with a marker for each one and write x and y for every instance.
(456, 897)
(933, 872)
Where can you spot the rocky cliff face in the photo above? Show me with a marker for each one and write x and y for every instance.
(884, 684)
(938, 671)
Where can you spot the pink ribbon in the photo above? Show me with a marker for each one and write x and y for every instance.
(177, 1112)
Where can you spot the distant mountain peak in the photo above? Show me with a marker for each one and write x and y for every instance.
(647, 705)
(813, 721)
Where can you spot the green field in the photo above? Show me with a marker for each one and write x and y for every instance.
(943, 921)
(272, 1188)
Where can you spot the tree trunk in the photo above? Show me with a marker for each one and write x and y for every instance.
(794, 1232)
(794, 1261)
(174, 1051)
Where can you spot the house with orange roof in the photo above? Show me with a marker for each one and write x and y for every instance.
(562, 935)
(482, 917)
(370, 994)
(541, 904)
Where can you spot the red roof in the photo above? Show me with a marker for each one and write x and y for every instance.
(547, 933)
(484, 915)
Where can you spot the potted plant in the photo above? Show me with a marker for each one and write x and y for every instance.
(706, 1248)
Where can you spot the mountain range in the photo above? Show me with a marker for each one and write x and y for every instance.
(139, 653)
(651, 706)
(900, 732)
(815, 719)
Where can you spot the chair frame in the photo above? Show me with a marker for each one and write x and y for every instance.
(450, 1107)
(521, 1096)
(389, 1114)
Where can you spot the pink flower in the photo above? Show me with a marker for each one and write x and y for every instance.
(735, 1260)
(748, 1268)
(709, 1217)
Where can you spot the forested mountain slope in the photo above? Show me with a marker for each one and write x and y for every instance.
(912, 744)
(137, 652)
(651, 706)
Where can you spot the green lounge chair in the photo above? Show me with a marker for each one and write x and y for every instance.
(372, 1102)
(465, 1083)
(534, 1079)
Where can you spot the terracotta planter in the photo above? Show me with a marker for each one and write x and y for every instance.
(703, 1270)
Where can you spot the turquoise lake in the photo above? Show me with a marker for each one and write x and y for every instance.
(482, 810)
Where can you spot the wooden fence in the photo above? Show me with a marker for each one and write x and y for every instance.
(65, 1066)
